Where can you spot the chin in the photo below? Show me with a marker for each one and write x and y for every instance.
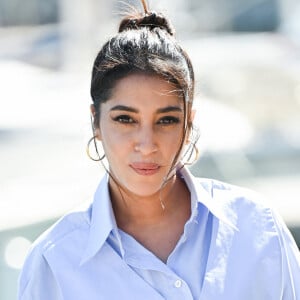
(144, 191)
(142, 187)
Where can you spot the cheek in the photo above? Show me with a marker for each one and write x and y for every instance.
(174, 136)
(115, 144)
(170, 143)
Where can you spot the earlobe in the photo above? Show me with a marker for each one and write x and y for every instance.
(97, 133)
(187, 139)
(96, 129)
(193, 113)
(93, 110)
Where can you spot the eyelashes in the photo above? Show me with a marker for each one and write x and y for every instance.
(166, 120)
(169, 120)
(123, 119)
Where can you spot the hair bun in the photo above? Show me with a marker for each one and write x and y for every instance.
(150, 20)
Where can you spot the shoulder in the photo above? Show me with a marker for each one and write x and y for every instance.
(248, 210)
(73, 223)
(219, 189)
(262, 243)
(233, 195)
(70, 231)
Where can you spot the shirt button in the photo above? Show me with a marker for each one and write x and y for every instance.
(178, 283)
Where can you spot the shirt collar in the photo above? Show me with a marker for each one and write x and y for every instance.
(102, 219)
(199, 194)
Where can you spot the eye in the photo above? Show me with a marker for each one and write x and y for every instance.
(168, 120)
(123, 119)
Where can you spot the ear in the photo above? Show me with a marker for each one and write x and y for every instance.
(193, 112)
(187, 139)
(96, 127)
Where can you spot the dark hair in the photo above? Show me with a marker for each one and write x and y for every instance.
(144, 44)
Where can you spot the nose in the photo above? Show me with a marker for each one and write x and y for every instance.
(145, 142)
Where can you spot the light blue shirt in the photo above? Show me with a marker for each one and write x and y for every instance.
(234, 247)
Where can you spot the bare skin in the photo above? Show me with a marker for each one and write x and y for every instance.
(155, 228)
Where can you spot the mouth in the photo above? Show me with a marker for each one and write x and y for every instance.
(145, 168)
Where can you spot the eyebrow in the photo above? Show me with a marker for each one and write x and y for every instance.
(160, 110)
(169, 109)
(124, 108)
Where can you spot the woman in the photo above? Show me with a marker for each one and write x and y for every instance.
(154, 231)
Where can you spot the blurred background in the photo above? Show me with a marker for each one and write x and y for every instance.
(247, 62)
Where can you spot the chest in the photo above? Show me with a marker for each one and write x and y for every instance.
(208, 265)
(162, 239)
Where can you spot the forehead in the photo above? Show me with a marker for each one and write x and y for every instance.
(145, 91)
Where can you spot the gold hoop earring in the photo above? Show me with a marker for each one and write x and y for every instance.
(96, 149)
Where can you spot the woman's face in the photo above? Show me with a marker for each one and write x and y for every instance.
(141, 127)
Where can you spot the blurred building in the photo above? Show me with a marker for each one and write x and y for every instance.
(87, 24)
(31, 12)
(247, 62)
(202, 15)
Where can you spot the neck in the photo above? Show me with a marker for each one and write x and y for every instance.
(134, 210)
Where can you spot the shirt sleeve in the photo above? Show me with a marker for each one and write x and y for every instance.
(37, 280)
(290, 261)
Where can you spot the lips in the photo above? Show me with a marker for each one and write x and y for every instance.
(145, 168)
